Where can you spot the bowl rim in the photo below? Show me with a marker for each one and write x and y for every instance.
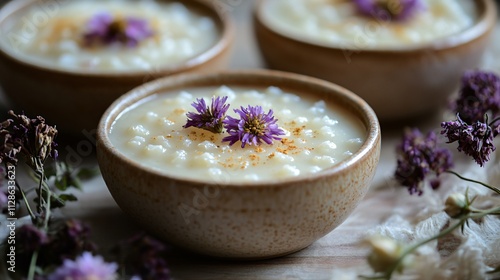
(223, 20)
(484, 23)
(366, 116)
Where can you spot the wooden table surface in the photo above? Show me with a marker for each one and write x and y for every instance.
(338, 250)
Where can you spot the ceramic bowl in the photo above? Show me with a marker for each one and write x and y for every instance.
(399, 83)
(241, 220)
(74, 100)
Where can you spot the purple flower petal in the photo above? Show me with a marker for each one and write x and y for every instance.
(253, 127)
(387, 10)
(208, 118)
(85, 267)
(417, 156)
(474, 140)
(103, 29)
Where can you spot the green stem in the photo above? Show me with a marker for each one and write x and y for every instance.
(32, 269)
(473, 181)
(32, 215)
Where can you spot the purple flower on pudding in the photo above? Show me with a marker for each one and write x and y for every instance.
(398, 10)
(253, 127)
(479, 94)
(474, 140)
(85, 267)
(417, 156)
(208, 118)
(105, 29)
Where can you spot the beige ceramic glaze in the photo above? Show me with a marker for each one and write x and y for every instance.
(241, 220)
(76, 101)
(406, 82)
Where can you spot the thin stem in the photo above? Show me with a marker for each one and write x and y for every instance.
(32, 269)
(32, 215)
(474, 181)
(494, 121)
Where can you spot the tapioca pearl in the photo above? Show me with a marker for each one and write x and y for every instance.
(68, 60)
(179, 157)
(286, 112)
(318, 108)
(185, 47)
(68, 46)
(323, 161)
(204, 160)
(187, 143)
(225, 91)
(326, 131)
(116, 63)
(315, 169)
(353, 144)
(214, 173)
(329, 121)
(288, 170)
(252, 177)
(149, 117)
(327, 147)
(153, 151)
(301, 120)
(138, 130)
(207, 146)
(280, 158)
(136, 142)
(308, 133)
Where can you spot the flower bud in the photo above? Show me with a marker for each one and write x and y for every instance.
(456, 205)
(385, 253)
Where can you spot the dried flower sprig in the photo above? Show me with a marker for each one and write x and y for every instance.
(104, 29)
(208, 118)
(397, 10)
(417, 155)
(253, 127)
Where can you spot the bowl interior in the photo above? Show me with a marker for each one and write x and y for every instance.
(257, 79)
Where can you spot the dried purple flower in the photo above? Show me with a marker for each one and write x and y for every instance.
(479, 94)
(398, 10)
(103, 29)
(33, 138)
(253, 127)
(208, 118)
(474, 140)
(85, 267)
(417, 156)
(142, 257)
(31, 238)
(69, 240)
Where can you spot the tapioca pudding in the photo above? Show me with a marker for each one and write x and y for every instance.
(314, 137)
(110, 35)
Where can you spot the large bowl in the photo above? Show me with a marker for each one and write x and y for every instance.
(74, 100)
(398, 83)
(241, 220)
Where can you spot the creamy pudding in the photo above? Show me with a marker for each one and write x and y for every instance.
(55, 36)
(338, 23)
(316, 136)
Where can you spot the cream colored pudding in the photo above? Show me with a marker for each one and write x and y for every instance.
(55, 39)
(316, 137)
(338, 23)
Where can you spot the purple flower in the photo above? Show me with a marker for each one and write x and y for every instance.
(417, 156)
(208, 118)
(398, 10)
(474, 140)
(479, 94)
(102, 28)
(142, 256)
(253, 127)
(31, 238)
(31, 138)
(85, 267)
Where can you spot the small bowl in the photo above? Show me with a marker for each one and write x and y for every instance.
(399, 83)
(251, 220)
(75, 100)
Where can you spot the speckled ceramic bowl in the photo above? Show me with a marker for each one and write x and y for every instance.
(75, 100)
(399, 83)
(241, 220)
